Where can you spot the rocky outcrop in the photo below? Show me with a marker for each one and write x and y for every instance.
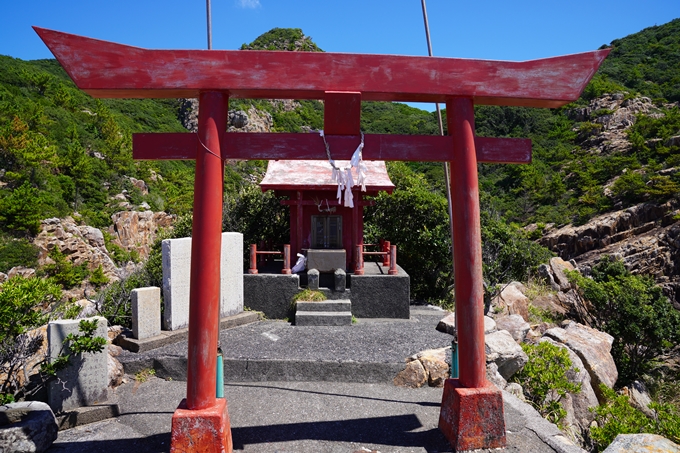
(642, 443)
(81, 244)
(253, 120)
(593, 348)
(512, 301)
(137, 231)
(515, 325)
(504, 351)
(578, 405)
(602, 231)
(609, 117)
(27, 427)
(646, 237)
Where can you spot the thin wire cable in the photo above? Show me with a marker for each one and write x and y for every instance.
(447, 167)
(209, 19)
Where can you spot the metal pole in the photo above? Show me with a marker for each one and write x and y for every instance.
(207, 5)
(447, 167)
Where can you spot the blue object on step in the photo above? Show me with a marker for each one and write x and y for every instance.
(219, 393)
(454, 360)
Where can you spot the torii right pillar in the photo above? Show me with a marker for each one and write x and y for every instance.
(471, 414)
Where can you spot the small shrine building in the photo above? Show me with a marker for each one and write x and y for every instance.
(318, 220)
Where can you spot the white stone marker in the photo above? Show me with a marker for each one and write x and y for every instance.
(146, 312)
(84, 381)
(177, 272)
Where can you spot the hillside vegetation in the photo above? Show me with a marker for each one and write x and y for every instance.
(64, 153)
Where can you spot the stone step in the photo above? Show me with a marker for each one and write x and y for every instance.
(323, 318)
(326, 305)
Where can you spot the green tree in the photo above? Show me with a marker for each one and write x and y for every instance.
(635, 312)
(20, 210)
(23, 306)
(416, 220)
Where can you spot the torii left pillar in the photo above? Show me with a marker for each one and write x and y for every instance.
(201, 422)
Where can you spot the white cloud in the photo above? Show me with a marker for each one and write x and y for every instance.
(249, 3)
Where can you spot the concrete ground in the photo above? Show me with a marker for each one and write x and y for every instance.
(305, 390)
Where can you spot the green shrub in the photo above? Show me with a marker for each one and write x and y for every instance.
(63, 271)
(98, 278)
(23, 306)
(17, 252)
(618, 416)
(117, 253)
(544, 379)
(632, 309)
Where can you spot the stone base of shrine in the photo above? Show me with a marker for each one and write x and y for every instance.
(376, 294)
(206, 430)
(472, 418)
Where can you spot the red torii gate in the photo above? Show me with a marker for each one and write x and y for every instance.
(472, 408)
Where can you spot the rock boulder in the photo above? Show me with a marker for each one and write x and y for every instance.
(502, 349)
(593, 348)
(27, 427)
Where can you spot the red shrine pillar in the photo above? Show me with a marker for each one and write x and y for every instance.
(201, 422)
(472, 408)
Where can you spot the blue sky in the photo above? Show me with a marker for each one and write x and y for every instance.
(485, 29)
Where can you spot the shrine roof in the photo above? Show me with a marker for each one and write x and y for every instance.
(316, 175)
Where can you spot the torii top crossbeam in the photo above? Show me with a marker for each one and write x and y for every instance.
(106, 69)
(472, 409)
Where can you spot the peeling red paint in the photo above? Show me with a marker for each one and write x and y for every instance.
(472, 418)
(207, 430)
(272, 146)
(106, 69)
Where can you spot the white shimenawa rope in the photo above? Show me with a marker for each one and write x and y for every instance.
(343, 175)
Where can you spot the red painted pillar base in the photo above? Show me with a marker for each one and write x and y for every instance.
(205, 430)
(472, 418)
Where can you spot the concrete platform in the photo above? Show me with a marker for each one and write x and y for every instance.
(306, 390)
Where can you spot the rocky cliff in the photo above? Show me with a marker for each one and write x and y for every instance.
(645, 236)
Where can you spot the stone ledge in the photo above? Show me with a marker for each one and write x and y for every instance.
(174, 336)
(85, 415)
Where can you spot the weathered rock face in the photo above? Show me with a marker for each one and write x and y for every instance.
(27, 427)
(511, 301)
(502, 349)
(134, 230)
(639, 443)
(114, 368)
(639, 397)
(646, 237)
(579, 415)
(426, 367)
(515, 325)
(602, 231)
(593, 348)
(413, 376)
(612, 116)
(79, 243)
(253, 120)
